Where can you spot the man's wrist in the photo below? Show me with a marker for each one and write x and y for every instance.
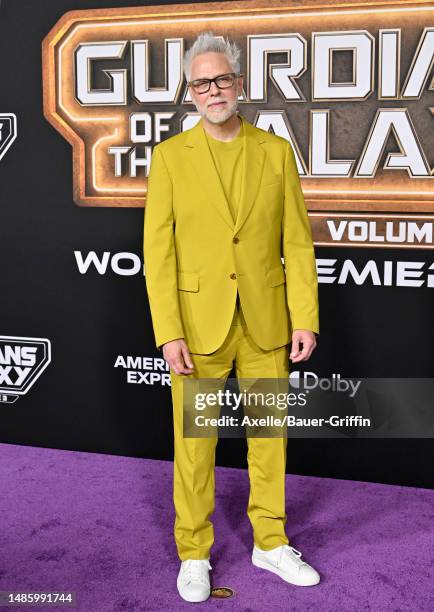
(167, 341)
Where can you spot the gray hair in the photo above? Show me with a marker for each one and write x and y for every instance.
(206, 42)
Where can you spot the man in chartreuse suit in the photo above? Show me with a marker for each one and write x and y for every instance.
(224, 204)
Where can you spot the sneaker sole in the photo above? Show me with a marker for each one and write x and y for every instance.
(193, 599)
(278, 572)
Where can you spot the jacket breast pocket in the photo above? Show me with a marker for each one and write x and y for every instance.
(272, 195)
(276, 276)
(269, 189)
(271, 183)
(188, 281)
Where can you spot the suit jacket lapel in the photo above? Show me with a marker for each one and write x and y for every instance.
(252, 174)
(206, 174)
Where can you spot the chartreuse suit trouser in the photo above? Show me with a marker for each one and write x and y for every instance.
(194, 460)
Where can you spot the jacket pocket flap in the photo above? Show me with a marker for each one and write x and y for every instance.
(276, 276)
(188, 281)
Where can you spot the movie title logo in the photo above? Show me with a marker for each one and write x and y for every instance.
(22, 361)
(350, 87)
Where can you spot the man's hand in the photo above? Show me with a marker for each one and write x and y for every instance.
(306, 337)
(177, 356)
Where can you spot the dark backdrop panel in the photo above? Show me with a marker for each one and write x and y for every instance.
(82, 402)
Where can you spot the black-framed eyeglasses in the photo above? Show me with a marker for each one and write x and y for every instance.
(223, 81)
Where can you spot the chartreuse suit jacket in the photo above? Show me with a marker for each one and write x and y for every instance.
(196, 257)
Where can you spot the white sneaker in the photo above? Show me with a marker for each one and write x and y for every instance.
(285, 562)
(193, 580)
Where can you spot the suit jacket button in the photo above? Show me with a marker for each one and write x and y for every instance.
(236, 240)
(233, 275)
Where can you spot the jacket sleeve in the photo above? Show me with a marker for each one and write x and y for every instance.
(298, 252)
(159, 254)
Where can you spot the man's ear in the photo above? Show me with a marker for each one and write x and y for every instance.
(240, 86)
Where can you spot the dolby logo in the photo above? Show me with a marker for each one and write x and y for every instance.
(309, 381)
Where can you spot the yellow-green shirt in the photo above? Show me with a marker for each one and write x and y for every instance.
(228, 159)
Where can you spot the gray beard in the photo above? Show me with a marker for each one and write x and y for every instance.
(220, 118)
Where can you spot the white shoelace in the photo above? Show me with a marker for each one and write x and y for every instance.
(194, 570)
(293, 554)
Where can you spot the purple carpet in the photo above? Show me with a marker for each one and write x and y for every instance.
(101, 526)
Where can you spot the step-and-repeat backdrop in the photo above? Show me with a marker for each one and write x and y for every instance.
(86, 92)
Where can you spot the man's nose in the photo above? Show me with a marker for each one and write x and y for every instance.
(214, 89)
